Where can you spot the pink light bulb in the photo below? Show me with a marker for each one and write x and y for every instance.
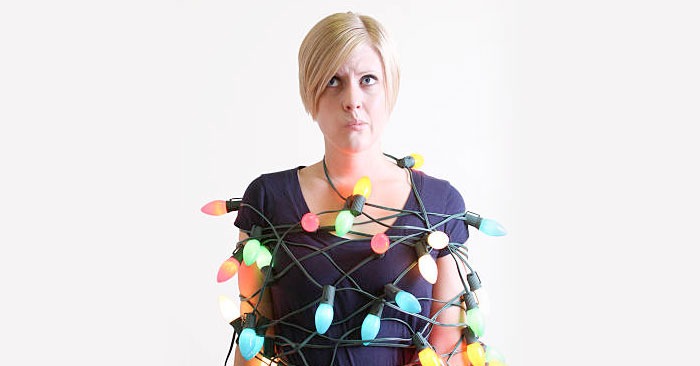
(215, 208)
(310, 222)
(380, 243)
(227, 270)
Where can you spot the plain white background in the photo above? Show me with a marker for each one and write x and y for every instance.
(572, 124)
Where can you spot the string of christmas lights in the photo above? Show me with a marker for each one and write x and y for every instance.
(265, 244)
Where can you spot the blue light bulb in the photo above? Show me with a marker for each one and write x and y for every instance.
(491, 227)
(324, 317)
(324, 312)
(259, 342)
(249, 343)
(370, 328)
(407, 302)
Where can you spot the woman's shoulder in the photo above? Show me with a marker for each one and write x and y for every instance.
(433, 185)
(275, 180)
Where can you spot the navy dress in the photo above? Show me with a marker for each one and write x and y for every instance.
(299, 256)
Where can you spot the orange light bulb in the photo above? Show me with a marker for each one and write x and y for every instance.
(228, 269)
(215, 208)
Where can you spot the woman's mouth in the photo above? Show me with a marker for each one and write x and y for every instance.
(357, 125)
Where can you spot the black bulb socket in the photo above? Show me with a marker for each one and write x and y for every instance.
(328, 294)
(419, 341)
(390, 291)
(232, 205)
(377, 308)
(470, 301)
(355, 204)
(406, 162)
(472, 219)
(469, 336)
(474, 281)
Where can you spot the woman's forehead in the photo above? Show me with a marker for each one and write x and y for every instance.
(362, 59)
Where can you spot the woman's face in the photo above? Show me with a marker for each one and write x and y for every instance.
(352, 111)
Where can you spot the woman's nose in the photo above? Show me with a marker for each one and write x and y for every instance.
(352, 98)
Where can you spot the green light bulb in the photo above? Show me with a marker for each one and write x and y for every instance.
(251, 251)
(475, 321)
(343, 222)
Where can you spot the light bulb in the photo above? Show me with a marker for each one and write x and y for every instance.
(475, 320)
(249, 342)
(426, 264)
(324, 313)
(310, 222)
(418, 158)
(370, 326)
(428, 357)
(404, 300)
(264, 257)
(438, 239)
(227, 269)
(486, 226)
(215, 208)
(474, 317)
(492, 228)
(251, 251)
(343, 222)
(363, 187)
(493, 357)
(379, 243)
(426, 354)
(219, 207)
(475, 350)
(229, 310)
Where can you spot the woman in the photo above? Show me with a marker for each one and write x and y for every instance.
(349, 80)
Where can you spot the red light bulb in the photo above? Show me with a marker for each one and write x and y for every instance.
(310, 222)
(227, 269)
(380, 243)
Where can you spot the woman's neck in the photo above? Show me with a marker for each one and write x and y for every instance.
(344, 169)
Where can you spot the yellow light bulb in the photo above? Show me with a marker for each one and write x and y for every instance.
(229, 309)
(418, 160)
(476, 354)
(428, 357)
(363, 187)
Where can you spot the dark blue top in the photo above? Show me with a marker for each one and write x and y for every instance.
(300, 257)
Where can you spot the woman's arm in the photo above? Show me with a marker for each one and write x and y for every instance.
(447, 286)
(250, 280)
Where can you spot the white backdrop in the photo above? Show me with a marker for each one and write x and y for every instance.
(570, 124)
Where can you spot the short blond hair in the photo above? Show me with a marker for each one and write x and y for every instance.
(329, 44)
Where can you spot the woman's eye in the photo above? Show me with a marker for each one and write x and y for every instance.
(333, 81)
(369, 80)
